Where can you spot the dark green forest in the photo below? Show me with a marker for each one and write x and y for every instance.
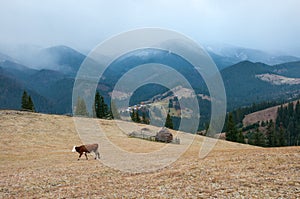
(285, 131)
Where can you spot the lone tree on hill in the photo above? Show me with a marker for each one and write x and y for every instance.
(27, 103)
(81, 109)
(100, 108)
(169, 122)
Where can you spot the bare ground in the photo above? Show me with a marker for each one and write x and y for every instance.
(36, 162)
(259, 116)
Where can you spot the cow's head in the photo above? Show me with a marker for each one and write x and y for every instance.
(74, 149)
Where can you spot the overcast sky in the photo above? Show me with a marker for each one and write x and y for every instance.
(272, 25)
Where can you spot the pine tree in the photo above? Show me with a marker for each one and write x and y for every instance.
(81, 109)
(169, 122)
(271, 134)
(290, 109)
(170, 103)
(281, 135)
(102, 110)
(297, 110)
(291, 130)
(97, 104)
(24, 103)
(27, 103)
(259, 138)
(231, 132)
(288, 125)
(240, 137)
(106, 114)
(30, 104)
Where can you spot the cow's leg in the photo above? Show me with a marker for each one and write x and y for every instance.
(86, 156)
(97, 155)
(80, 155)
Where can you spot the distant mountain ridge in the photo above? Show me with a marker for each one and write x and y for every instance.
(52, 85)
(243, 85)
(226, 55)
(11, 91)
(61, 58)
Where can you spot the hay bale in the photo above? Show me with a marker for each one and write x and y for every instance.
(164, 135)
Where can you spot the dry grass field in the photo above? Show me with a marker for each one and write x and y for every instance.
(36, 162)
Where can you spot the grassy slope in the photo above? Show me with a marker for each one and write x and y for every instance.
(36, 162)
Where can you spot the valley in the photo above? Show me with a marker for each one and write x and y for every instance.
(51, 86)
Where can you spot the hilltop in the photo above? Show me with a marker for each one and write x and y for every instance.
(36, 161)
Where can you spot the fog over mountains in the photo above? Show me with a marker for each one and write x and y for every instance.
(48, 75)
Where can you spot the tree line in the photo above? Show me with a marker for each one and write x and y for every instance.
(287, 125)
(239, 114)
(285, 131)
(100, 108)
(135, 117)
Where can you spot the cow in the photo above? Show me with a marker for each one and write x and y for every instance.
(88, 148)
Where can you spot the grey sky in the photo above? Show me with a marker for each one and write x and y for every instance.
(268, 25)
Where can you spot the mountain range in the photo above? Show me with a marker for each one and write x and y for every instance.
(227, 55)
(249, 76)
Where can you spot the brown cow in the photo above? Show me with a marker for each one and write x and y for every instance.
(88, 148)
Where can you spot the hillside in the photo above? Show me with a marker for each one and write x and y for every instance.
(247, 83)
(56, 67)
(263, 115)
(36, 161)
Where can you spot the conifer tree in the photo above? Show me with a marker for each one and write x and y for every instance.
(240, 137)
(231, 132)
(81, 109)
(27, 103)
(101, 108)
(30, 104)
(259, 138)
(271, 134)
(169, 122)
(97, 104)
(24, 103)
(281, 135)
